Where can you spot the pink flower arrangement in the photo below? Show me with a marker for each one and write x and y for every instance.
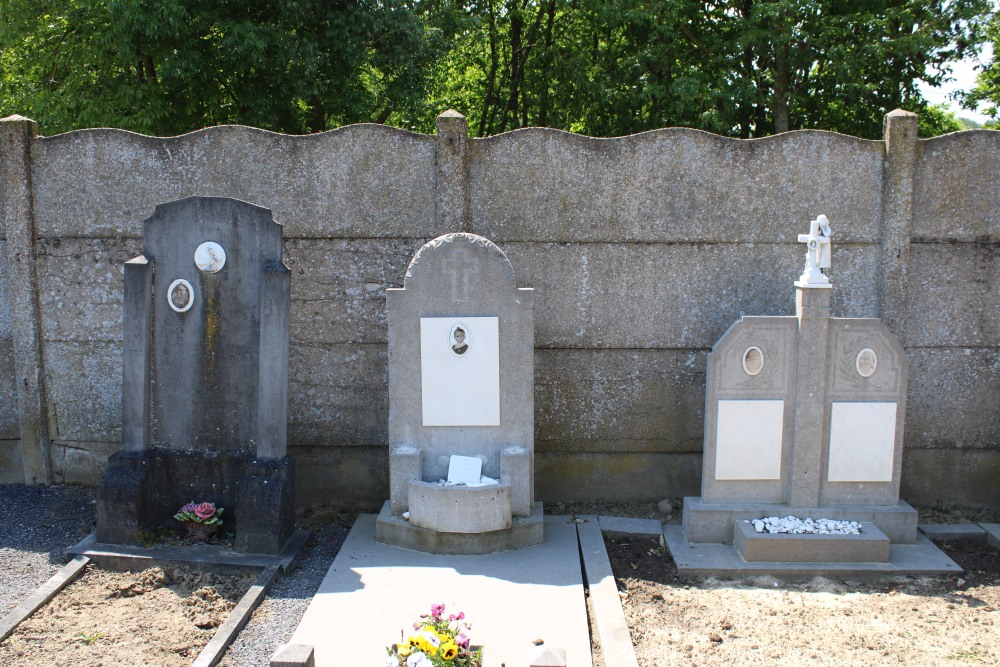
(205, 513)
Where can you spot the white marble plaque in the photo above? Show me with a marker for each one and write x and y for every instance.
(748, 440)
(460, 371)
(210, 257)
(465, 469)
(862, 442)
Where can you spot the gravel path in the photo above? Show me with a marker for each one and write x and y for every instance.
(38, 523)
(273, 623)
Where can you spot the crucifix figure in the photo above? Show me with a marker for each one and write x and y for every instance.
(817, 253)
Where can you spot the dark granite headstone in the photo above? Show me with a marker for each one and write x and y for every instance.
(205, 385)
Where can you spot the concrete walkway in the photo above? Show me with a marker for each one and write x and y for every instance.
(374, 592)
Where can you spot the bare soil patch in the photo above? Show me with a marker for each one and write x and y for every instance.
(160, 616)
(761, 621)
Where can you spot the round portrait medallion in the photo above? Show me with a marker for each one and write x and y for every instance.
(210, 257)
(753, 360)
(180, 296)
(866, 363)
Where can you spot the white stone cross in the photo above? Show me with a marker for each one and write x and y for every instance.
(460, 267)
(817, 254)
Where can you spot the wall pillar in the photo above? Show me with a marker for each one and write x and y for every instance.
(17, 211)
(452, 173)
(897, 218)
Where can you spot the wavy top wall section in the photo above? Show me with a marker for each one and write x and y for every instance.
(358, 181)
(372, 181)
(957, 188)
(674, 185)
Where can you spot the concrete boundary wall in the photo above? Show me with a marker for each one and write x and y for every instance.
(642, 251)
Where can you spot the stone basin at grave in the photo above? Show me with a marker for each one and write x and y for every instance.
(460, 509)
(466, 502)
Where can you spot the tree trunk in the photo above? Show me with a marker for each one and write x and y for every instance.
(779, 106)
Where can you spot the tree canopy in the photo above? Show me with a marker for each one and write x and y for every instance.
(743, 68)
(987, 90)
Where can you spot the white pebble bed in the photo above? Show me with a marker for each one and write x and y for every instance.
(794, 525)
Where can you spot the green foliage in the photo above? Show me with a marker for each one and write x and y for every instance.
(172, 66)
(90, 638)
(150, 538)
(744, 68)
(936, 120)
(987, 90)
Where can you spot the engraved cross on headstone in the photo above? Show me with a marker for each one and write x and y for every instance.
(460, 266)
(817, 253)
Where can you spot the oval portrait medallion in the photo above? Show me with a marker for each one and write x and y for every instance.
(866, 363)
(459, 338)
(180, 296)
(753, 360)
(210, 257)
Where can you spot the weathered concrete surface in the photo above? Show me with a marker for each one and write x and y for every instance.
(338, 286)
(81, 463)
(598, 476)
(674, 185)
(338, 395)
(940, 532)
(954, 295)
(949, 475)
(9, 427)
(956, 190)
(896, 218)
(632, 295)
(341, 476)
(357, 181)
(619, 401)
(81, 288)
(452, 176)
(95, 413)
(953, 403)
(17, 138)
(11, 467)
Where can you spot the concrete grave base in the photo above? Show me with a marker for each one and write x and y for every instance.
(941, 532)
(713, 522)
(512, 599)
(992, 534)
(207, 557)
(396, 531)
(141, 491)
(871, 546)
(724, 561)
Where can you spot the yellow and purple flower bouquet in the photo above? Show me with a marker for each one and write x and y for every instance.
(437, 641)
